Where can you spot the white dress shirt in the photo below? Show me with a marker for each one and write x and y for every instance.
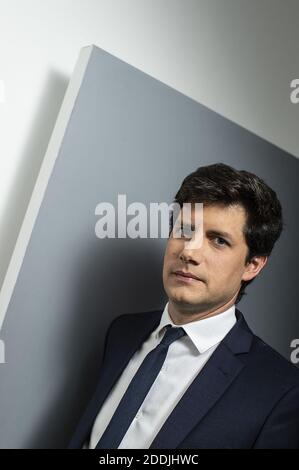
(185, 359)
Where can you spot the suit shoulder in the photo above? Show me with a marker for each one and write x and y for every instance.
(274, 364)
(137, 316)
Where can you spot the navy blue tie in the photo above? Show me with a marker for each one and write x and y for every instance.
(137, 391)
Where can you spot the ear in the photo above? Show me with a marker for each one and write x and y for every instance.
(253, 267)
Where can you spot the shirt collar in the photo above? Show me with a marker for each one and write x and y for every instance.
(203, 333)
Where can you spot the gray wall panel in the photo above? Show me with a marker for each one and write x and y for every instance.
(128, 134)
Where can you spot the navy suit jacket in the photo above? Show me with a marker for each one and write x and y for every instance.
(246, 395)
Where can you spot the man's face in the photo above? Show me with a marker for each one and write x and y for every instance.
(219, 261)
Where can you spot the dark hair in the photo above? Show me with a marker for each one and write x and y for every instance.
(222, 184)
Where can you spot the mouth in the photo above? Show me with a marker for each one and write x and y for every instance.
(186, 277)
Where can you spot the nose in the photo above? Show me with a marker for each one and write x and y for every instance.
(189, 255)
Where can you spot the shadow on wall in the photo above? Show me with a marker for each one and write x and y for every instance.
(93, 289)
(34, 152)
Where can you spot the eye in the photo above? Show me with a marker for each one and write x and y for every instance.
(221, 241)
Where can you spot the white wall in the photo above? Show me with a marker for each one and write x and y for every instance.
(237, 57)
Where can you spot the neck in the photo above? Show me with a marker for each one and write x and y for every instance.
(179, 316)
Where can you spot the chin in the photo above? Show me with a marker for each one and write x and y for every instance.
(179, 298)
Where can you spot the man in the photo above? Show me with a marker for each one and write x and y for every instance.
(194, 375)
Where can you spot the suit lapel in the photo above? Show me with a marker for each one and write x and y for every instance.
(220, 371)
(206, 389)
(128, 338)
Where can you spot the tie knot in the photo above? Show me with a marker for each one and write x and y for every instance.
(172, 334)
